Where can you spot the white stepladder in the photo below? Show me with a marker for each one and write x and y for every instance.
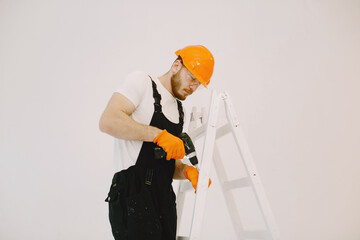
(211, 152)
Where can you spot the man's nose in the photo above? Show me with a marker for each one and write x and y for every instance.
(194, 85)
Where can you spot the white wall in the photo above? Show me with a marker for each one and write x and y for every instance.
(292, 69)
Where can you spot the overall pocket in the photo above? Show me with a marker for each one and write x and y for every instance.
(117, 208)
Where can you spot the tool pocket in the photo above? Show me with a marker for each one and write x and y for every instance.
(143, 222)
(117, 208)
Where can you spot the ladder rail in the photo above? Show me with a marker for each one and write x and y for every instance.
(204, 175)
(250, 166)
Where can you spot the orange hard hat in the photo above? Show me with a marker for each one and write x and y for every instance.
(199, 61)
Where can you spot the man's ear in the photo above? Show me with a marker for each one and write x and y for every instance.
(177, 65)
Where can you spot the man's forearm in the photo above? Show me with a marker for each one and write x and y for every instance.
(124, 127)
(179, 169)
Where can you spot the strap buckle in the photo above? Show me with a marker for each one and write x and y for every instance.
(149, 175)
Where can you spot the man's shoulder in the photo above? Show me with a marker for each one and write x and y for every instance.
(135, 87)
(138, 73)
(135, 79)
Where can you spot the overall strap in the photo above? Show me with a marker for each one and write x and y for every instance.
(156, 96)
(181, 112)
(157, 105)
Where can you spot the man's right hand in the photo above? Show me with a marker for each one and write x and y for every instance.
(172, 145)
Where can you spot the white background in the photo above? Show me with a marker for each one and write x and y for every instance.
(292, 69)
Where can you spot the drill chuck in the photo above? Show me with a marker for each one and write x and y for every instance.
(192, 157)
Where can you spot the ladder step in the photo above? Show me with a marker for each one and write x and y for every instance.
(254, 235)
(243, 234)
(199, 132)
(223, 130)
(182, 238)
(238, 183)
(186, 186)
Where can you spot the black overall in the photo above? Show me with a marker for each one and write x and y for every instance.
(141, 199)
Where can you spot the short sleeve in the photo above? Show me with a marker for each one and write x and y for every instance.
(134, 86)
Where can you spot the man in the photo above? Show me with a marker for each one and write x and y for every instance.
(144, 113)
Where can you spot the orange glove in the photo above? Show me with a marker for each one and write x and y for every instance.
(173, 146)
(192, 174)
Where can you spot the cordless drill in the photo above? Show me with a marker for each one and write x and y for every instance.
(189, 150)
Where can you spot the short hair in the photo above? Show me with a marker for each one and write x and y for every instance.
(179, 58)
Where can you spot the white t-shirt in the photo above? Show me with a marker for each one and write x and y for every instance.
(137, 87)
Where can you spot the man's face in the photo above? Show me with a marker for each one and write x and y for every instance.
(183, 83)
